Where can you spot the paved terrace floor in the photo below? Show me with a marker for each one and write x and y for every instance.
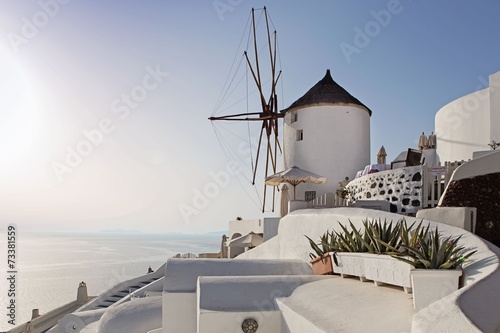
(349, 305)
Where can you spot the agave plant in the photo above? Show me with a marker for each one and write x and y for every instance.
(432, 251)
(328, 243)
(381, 237)
(351, 240)
(411, 238)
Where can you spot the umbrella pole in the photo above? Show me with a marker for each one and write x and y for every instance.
(294, 192)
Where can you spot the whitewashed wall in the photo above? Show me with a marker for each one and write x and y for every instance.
(336, 144)
(239, 228)
(455, 313)
(463, 126)
(495, 106)
(181, 278)
(469, 123)
(402, 188)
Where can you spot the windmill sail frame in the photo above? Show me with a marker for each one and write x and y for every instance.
(269, 114)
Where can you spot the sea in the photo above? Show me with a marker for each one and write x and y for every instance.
(50, 266)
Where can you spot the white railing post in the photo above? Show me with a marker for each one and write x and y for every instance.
(425, 186)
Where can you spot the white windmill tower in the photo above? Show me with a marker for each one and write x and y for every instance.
(326, 131)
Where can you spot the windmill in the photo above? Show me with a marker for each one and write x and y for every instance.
(268, 114)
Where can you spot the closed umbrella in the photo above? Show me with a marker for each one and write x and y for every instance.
(381, 156)
(223, 247)
(285, 197)
(294, 176)
(422, 142)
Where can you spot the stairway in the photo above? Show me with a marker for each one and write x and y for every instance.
(115, 297)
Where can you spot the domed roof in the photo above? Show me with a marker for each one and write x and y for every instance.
(327, 91)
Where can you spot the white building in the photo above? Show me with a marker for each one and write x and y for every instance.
(470, 123)
(326, 131)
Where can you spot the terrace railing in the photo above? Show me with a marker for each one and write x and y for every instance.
(327, 200)
(435, 181)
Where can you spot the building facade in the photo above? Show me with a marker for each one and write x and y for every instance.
(468, 124)
(326, 131)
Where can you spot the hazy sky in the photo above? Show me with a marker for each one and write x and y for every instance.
(103, 115)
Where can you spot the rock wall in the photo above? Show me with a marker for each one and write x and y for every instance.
(401, 187)
(482, 192)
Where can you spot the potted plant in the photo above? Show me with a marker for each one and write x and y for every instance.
(437, 263)
(342, 191)
(321, 260)
(383, 240)
(348, 255)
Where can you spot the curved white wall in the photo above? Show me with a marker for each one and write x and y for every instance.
(463, 126)
(139, 315)
(495, 106)
(335, 145)
(466, 310)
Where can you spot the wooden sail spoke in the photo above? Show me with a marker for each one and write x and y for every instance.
(258, 153)
(269, 115)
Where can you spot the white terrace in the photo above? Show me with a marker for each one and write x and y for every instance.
(272, 284)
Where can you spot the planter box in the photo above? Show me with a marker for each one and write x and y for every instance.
(322, 265)
(350, 264)
(383, 268)
(430, 285)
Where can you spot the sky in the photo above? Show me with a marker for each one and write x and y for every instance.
(103, 115)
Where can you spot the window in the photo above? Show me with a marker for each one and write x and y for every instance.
(300, 135)
(295, 117)
(310, 195)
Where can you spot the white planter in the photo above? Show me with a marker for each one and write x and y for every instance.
(350, 264)
(430, 285)
(383, 268)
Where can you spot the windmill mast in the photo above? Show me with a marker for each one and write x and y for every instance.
(268, 114)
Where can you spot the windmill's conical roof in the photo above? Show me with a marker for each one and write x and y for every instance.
(327, 91)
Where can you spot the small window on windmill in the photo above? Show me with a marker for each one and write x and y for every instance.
(310, 195)
(295, 117)
(300, 135)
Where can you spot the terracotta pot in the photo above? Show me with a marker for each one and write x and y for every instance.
(322, 265)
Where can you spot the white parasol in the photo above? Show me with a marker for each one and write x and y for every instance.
(294, 176)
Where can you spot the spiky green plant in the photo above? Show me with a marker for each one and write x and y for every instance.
(432, 251)
(328, 243)
(381, 237)
(410, 238)
(351, 240)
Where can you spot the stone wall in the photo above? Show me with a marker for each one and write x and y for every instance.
(482, 192)
(401, 187)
